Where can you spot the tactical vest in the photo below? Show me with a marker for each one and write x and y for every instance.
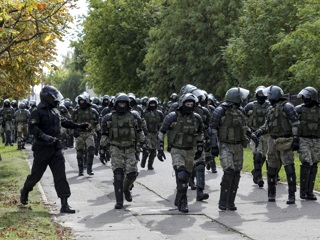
(183, 133)
(123, 128)
(153, 121)
(231, 127)
(278, 122)
(21, 115)
(200, 111)
(8, 113)
(258, 116)
(86, 115)
(309, 122)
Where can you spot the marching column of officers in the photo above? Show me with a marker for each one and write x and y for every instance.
(198, 129)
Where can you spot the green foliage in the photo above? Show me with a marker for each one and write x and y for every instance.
(185, 47)
(114, 42)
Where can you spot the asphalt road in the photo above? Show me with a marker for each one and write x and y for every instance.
(152, 215)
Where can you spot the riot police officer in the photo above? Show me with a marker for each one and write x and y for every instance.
(123, 130)
(283, 125)
(21, 119)
(7, 121)
(184, 128)
(309, 148)
(45, 122)
(229, 123)
(256, 112)
(153, 118)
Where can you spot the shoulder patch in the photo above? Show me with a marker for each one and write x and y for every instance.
(33, 121)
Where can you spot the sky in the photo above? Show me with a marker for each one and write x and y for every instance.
(63, 46)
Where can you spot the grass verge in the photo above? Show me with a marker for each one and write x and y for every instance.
(16, 220)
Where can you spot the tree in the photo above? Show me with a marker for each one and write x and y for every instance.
(28, 30)
(114, 43)
(186, 47)
(249, 54)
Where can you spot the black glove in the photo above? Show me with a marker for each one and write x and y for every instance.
(76, 134)
(161, 156)
(47, 138)
(207, 145)
(84, 126)
(102, 160)
(295, 144)
(145, 147)
(255, 139)
(215, 151)
(258, 133)
(198, 154)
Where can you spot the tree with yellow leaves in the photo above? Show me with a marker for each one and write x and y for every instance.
(28, 33)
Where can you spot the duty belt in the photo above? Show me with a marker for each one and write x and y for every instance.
(280, 136)
(122, 148)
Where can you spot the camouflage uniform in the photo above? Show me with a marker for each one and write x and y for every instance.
(7, 121)
(85, 138)
(21, 118)
(185, 138)
(282, 124)
(309, 149)
(256, 112)
(229, 123)
(123, 130)
(153, 119)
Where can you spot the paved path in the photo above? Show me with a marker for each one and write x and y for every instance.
(152, 215)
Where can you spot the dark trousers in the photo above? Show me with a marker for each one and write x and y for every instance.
(48, 156)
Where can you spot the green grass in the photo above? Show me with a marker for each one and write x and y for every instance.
(17, 221)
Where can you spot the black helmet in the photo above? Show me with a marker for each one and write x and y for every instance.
(67, 102)
(14, 103)
(96, 101)
(187, 89)
(236, 95)
(273, 93)
(122, 98)
(6, 103)
(83, 97)
(309, 92)
(50, 95)
(32, 103)
(22, 105)
(186, 98)
(152, 101)
(63, 109)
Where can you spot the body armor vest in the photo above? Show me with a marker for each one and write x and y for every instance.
(8, 113)
(231, 128)
(309, 122)
(86, 115)
(258, 116)
(123, 128)
(153, 121)
(278, 123)
(183, 133)
(21, 115)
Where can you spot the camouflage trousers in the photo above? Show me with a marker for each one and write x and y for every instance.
(84, 141)
(262, 147)
(181, 157)
(152, 140)
(123, 158)
(275, 157)
(231, 156)
(309, 150)
(22, 131)
(8, 126)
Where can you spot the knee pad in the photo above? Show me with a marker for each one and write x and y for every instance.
(289, 169)
(200, 167)
(91, 151)
(272, 171)
(153, 153)
(118, 174)
(306, 164)
(229, 171)
(183, 174)
(132, 175)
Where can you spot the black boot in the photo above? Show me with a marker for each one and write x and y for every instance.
(272, 179)
(225, 186)
(192, 184)
(127, 185)
(305, 169)
(182, 186)
(91, 151)
(312, 179)
(152, 155)
(233, 191)
(65, 208)
(89, 169)
(257, 171)
(80, 170)
(291, 179)
(213, 166)
(201, 182)
(24, 194)
(118, 187)
(143, 161)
